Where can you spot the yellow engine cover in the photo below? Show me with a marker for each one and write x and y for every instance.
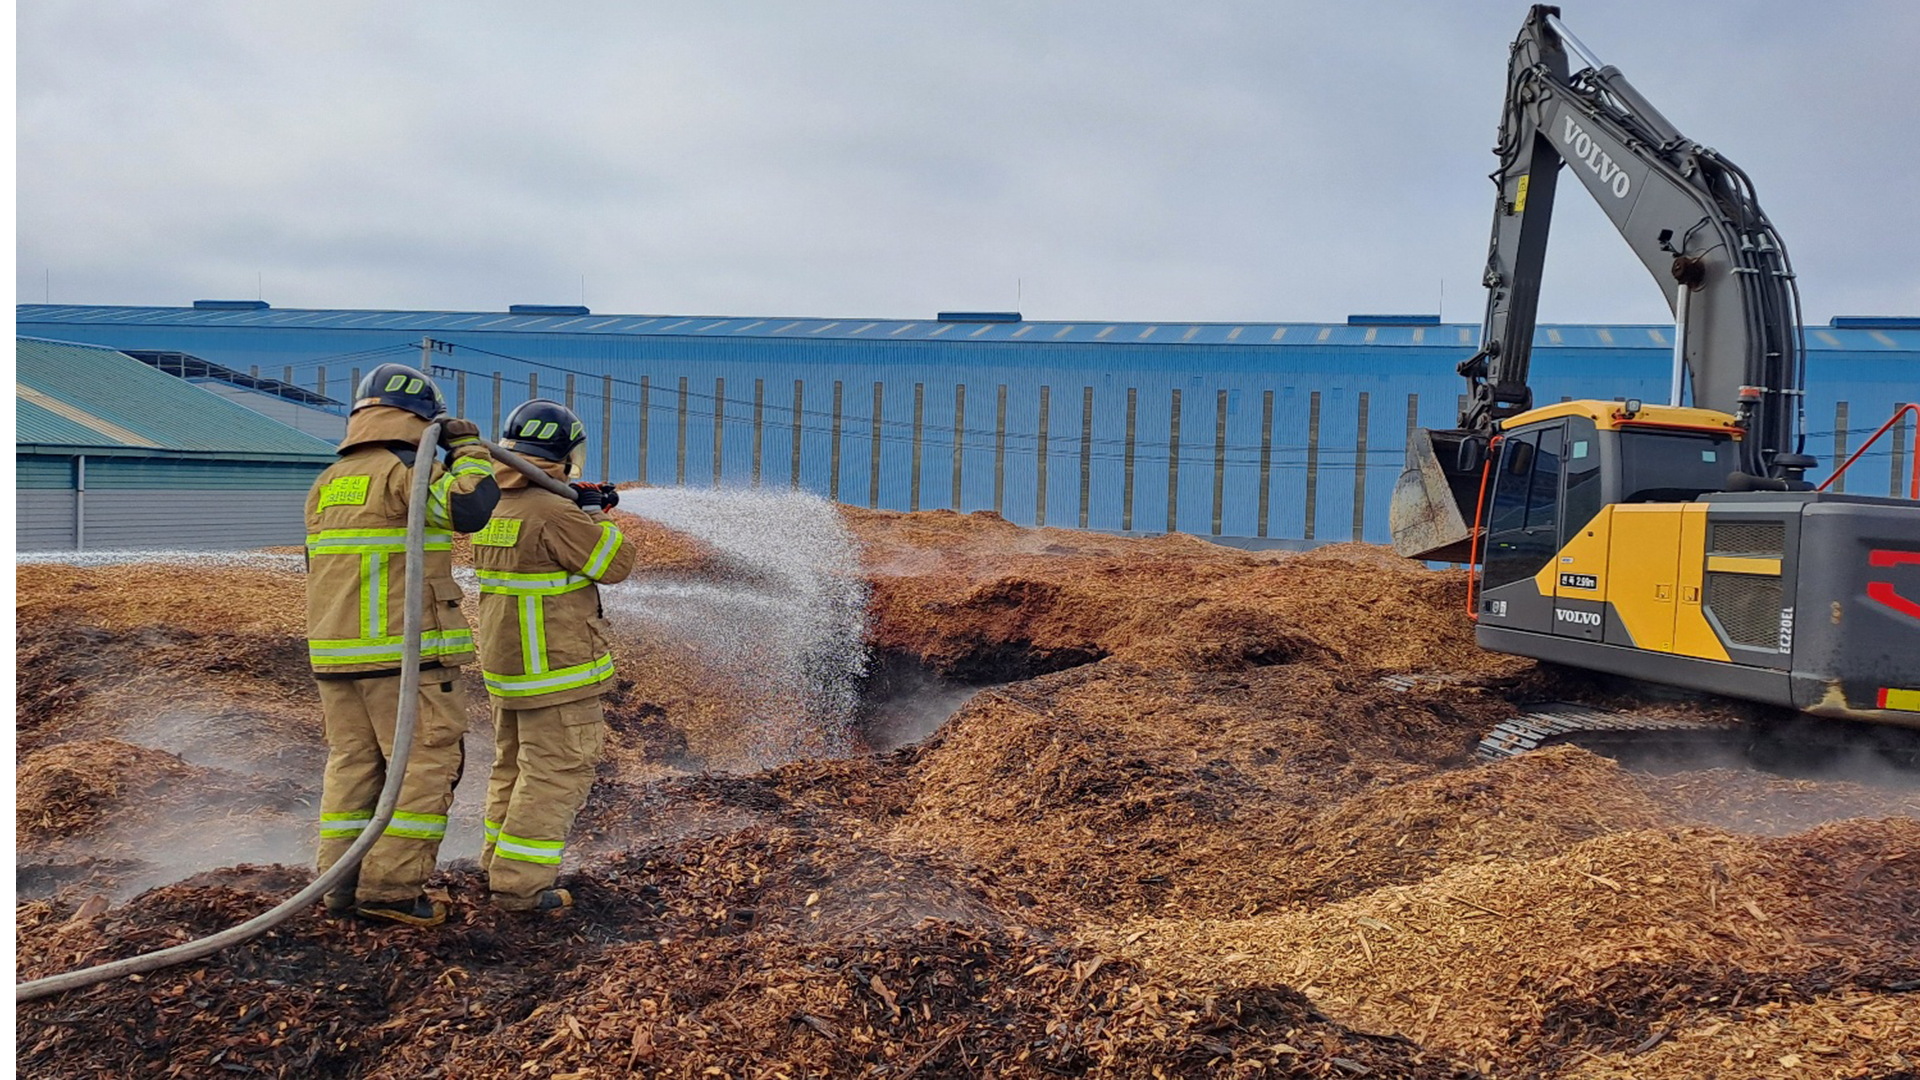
(1646, 563)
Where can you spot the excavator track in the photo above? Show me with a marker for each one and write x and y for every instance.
(1616, 733)
(1611, 732)
(1773, 740)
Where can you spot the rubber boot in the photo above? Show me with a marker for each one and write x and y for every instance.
(339, 900)
(547, 900)
(419, 911)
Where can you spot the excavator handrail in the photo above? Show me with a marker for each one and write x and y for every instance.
(1473, 538)
(1913, 485)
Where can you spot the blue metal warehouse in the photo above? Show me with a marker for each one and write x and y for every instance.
(1252, 432)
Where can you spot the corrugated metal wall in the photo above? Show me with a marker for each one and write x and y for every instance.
(1309, 451)
(159, 503)
(43, 503)
(1296, 441)
(45, 521)
(193, 520)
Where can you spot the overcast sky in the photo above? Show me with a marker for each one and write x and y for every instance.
(1117, 160)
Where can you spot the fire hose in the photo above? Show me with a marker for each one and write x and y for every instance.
(533, 472)
(383, 811)
(396, 768)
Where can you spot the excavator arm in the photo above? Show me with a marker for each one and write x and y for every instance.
(1691, 218)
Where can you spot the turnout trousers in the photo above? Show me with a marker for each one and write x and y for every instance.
(360, 715)
(542, 769)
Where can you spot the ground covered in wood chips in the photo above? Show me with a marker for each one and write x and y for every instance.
(1184, 828)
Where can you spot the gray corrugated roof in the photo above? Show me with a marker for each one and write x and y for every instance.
(92, 398)
(1099, 331)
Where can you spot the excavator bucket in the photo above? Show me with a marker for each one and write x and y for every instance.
(1432, 512)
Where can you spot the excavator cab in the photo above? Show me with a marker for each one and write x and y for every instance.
(1606, 538)
(1560, 480)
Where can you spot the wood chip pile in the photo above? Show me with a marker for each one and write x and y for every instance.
(975, 598)
(1132, 790)
(104, 814)
(1846, 1034)
(1528, 807)
(1527, 967)
(68, 789)
(1746, 801)
(1188, 832)
(775, 935)
(178, 597)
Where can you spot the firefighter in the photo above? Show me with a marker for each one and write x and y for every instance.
(356, 582)
(543, 652)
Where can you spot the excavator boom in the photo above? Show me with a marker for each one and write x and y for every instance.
(1691, 218)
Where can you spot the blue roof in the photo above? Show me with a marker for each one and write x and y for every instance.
(1879, 335)
(88, 398)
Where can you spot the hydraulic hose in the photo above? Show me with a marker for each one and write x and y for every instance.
(383, 812)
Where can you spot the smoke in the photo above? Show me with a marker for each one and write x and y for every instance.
(246, 834)
(1783, 786)
(906, 701)
(788, 623)
(230, 739)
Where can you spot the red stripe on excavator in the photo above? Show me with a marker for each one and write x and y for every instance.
(1883, 591)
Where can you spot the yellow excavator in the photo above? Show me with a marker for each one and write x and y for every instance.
(1675, 542)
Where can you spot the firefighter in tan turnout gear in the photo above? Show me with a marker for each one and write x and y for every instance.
(544, 653)
(356, 560)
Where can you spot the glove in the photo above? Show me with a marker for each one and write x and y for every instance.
(609, 497)
(456, 433)
(590, 497)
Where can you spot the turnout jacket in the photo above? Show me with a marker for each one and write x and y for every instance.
(543, 637)
(356, 551)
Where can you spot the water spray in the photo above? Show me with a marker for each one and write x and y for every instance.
(788, 623)
(383, 811)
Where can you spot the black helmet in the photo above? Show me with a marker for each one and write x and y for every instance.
(547, 429)
(401, 387)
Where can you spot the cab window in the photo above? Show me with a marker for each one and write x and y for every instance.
(1509, 510)
(1523, 530)
(1673, 466)
(1584, 496)
(1543, 493)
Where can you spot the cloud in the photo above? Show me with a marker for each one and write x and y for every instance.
(1115, 161)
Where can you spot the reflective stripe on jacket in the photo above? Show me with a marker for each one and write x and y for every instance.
(356, 559)
(543, 640)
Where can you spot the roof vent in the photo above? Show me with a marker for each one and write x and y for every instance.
(547, 309)
(1875, 322)
(979, 316)
(1393, 320)
(230, 305)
